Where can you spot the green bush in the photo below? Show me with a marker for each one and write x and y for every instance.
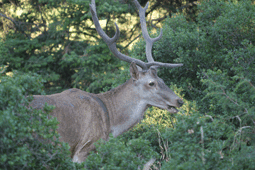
(95, 71)
(115, 154)
(206, 143)
(28, 139)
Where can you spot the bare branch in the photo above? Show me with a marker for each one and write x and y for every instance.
(209, 117)
(13, 21)
(17, 24)
(158, 19)
(203, 145)
(132, 40)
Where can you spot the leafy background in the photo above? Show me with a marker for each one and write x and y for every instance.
(49, 46)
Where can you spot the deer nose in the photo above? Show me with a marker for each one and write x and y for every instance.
(180, 102)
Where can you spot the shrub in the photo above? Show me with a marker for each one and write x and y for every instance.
(28, 139)
(206, 143)
(115, 154)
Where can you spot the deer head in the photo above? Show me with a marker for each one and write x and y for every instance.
(148, 84)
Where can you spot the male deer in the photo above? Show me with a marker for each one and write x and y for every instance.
(85, 117)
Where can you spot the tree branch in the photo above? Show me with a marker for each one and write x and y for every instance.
(13, 21)
(16, 24)
(158, 19)
(132, 40)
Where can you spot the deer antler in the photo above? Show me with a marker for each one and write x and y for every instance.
(111, 42)
(149, 41)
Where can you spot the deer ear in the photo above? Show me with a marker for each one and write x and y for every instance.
(134, 71)
(153, 71)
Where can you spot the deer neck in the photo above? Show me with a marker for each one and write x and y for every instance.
(125, 107)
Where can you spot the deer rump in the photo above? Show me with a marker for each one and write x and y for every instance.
(83, 118)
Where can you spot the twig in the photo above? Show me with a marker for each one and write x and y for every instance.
(164, 155)
(251, 84)
(14, 22)
(237, 133)
(224, 93)
(158, 19)
(132, 40)
(148, 164)
(51, 156)
(203, 145)
(209, 117)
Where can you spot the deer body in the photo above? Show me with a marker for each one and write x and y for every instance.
(85, 117)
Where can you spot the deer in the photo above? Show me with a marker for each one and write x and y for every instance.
(85, 117)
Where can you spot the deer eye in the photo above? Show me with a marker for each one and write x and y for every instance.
(151, 83)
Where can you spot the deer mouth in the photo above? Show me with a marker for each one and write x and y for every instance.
(172, 109)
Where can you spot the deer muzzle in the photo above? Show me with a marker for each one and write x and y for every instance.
(180, 102)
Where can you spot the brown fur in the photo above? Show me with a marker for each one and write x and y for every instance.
(82, 119)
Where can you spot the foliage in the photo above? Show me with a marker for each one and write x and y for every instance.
(214, 129)
(115, 154)
(26, 133)
(206, 143)
(50, 38)
(95, 70)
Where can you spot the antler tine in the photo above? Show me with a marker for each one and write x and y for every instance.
(111, 42)
(149, 40)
